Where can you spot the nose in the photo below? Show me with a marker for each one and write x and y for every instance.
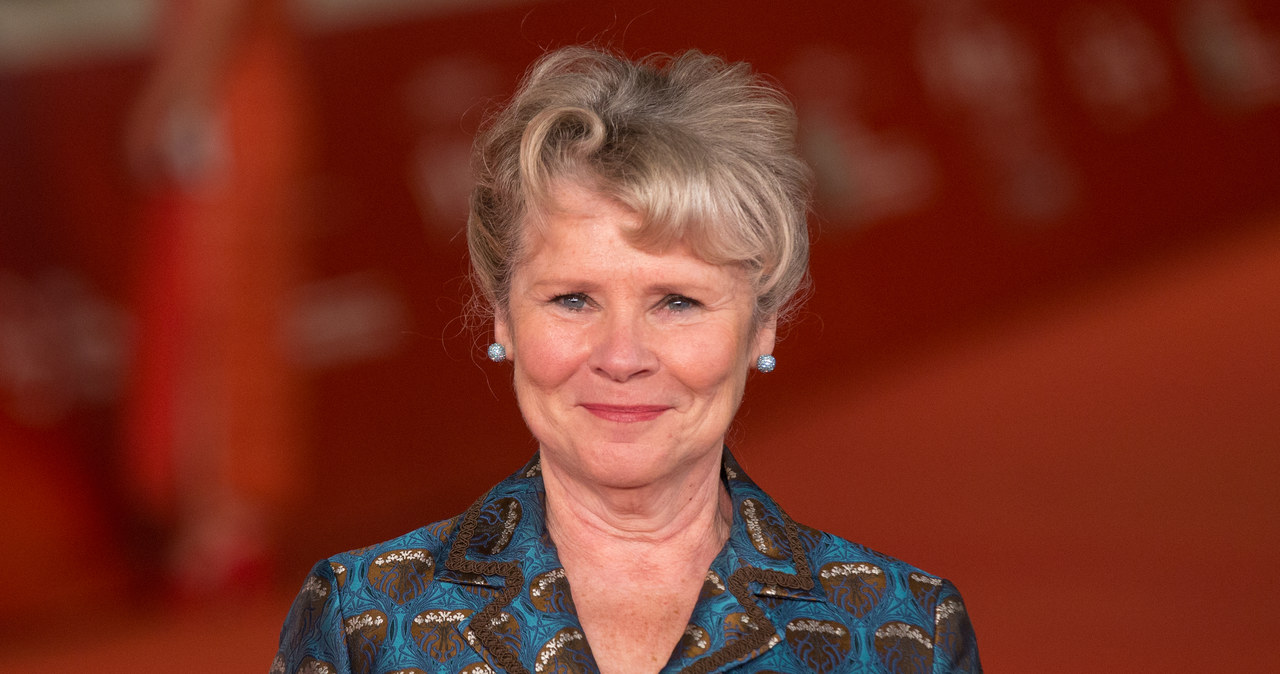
(623, 350)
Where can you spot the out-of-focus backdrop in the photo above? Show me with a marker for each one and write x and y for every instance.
(1041, 357)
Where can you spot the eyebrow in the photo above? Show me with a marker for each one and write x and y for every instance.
(673, 286)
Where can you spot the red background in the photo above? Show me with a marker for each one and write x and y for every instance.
(1073, 416)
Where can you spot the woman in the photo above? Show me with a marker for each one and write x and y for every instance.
(637, 230)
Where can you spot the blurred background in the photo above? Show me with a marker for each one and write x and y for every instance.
(1041, 358)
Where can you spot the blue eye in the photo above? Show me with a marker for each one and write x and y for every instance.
(572, 301)
(680, 303)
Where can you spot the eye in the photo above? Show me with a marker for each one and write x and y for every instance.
(571, 301)
(680, 303)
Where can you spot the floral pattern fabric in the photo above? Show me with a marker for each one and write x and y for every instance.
(484, 592)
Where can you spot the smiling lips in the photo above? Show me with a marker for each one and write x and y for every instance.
(626, 413)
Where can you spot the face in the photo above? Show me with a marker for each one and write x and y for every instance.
(629, 365)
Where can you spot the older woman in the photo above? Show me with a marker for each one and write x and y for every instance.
(638, 228)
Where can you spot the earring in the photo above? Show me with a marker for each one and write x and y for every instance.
(497, 352)
(766, 362)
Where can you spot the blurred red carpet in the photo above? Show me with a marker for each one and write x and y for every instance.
(237, 636)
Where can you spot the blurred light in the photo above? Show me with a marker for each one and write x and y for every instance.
(37, 32)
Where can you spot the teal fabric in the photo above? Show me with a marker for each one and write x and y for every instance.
(485, 592)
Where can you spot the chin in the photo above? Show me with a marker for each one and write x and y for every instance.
(626, 465)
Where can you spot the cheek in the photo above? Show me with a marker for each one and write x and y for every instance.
(710, 362)
(547, 356)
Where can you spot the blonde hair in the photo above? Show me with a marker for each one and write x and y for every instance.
(702, 150)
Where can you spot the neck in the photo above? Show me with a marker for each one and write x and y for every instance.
(682, 521)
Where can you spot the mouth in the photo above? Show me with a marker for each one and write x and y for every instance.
(626, 413)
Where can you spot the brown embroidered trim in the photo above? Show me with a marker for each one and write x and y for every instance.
(740, 585)
(482, 622)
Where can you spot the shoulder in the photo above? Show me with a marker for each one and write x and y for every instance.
(904, 608)
(355, 595)
(419, 551)
(834, 559)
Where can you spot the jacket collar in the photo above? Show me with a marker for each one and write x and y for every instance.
(502, 550)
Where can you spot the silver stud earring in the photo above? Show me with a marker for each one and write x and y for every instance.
(497, 352)
(766, 363)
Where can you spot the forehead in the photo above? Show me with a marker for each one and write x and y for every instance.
(580, 229)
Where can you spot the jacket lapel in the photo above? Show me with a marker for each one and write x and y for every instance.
(502, 552)
(763, 565)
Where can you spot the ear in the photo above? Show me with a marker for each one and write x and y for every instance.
(502, 332)
(765, 339)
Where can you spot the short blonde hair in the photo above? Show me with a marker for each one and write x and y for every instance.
(702, 150)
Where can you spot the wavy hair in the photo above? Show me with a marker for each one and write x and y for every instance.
(702, 150)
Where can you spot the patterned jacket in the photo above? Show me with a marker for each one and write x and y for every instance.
(484, 592)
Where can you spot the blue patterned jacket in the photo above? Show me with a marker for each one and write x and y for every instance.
(484, 592)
